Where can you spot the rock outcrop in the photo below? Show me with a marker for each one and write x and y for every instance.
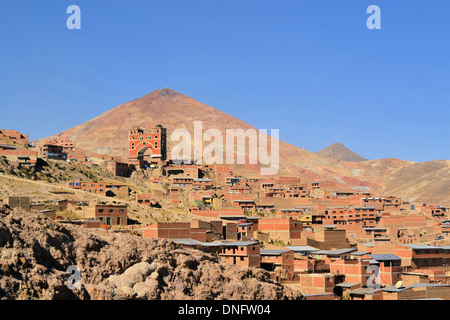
(36, 252)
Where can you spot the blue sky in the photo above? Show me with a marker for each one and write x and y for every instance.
(309, 68)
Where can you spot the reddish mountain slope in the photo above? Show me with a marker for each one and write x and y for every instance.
(108, 134)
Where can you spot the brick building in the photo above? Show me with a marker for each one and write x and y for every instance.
(109, 214)
(147, 147)
(279, 262)
(284, 229)
(241, 253)
(54, 152)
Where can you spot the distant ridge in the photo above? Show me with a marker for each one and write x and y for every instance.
(340, 152)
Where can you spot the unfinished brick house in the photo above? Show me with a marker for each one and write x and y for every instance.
(354, 270)
(13, 137)
(279, 262)
(66, 144)
(18, 202)
(222, 172)
(177, 230)
(144, 199)
(102, 188)
(13, 147)
(76, 155)
(329, 238)
(284, 229)
(317, 283)
(109, 214)
(54, 152)
(422, 256)
(241, 253)
(390, 269)
(119, 169)
(186, 170)
(20, 158)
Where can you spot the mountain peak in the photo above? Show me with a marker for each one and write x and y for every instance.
(166, 92)
(340, 152)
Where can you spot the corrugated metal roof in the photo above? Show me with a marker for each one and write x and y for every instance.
(421, 246)
(364, 291)
(238, 243)
(346, 284)
(302, 248)
(187, 241)
(421, 285)
(360, 253)
(334, 252)
(384, 257)
(273, 252)
(394, 289)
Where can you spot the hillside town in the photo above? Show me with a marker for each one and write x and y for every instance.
(325, 240)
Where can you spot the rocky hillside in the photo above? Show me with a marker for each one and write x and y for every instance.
(36, 252)
(340, 152)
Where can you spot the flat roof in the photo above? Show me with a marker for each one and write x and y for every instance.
(364, 291)
(238, 243)
(246, 224)
(187, 241)
(302, 248)
(334, 252)
(384, 257)
(273, 252)
(346, 284)
(421, 246)
(360, 253)
(231, 217)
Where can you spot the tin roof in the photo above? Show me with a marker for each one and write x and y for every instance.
(364, 291)
(384, 257)
(334, 252)
(273, 252)
(239, 243)
(302, 248)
